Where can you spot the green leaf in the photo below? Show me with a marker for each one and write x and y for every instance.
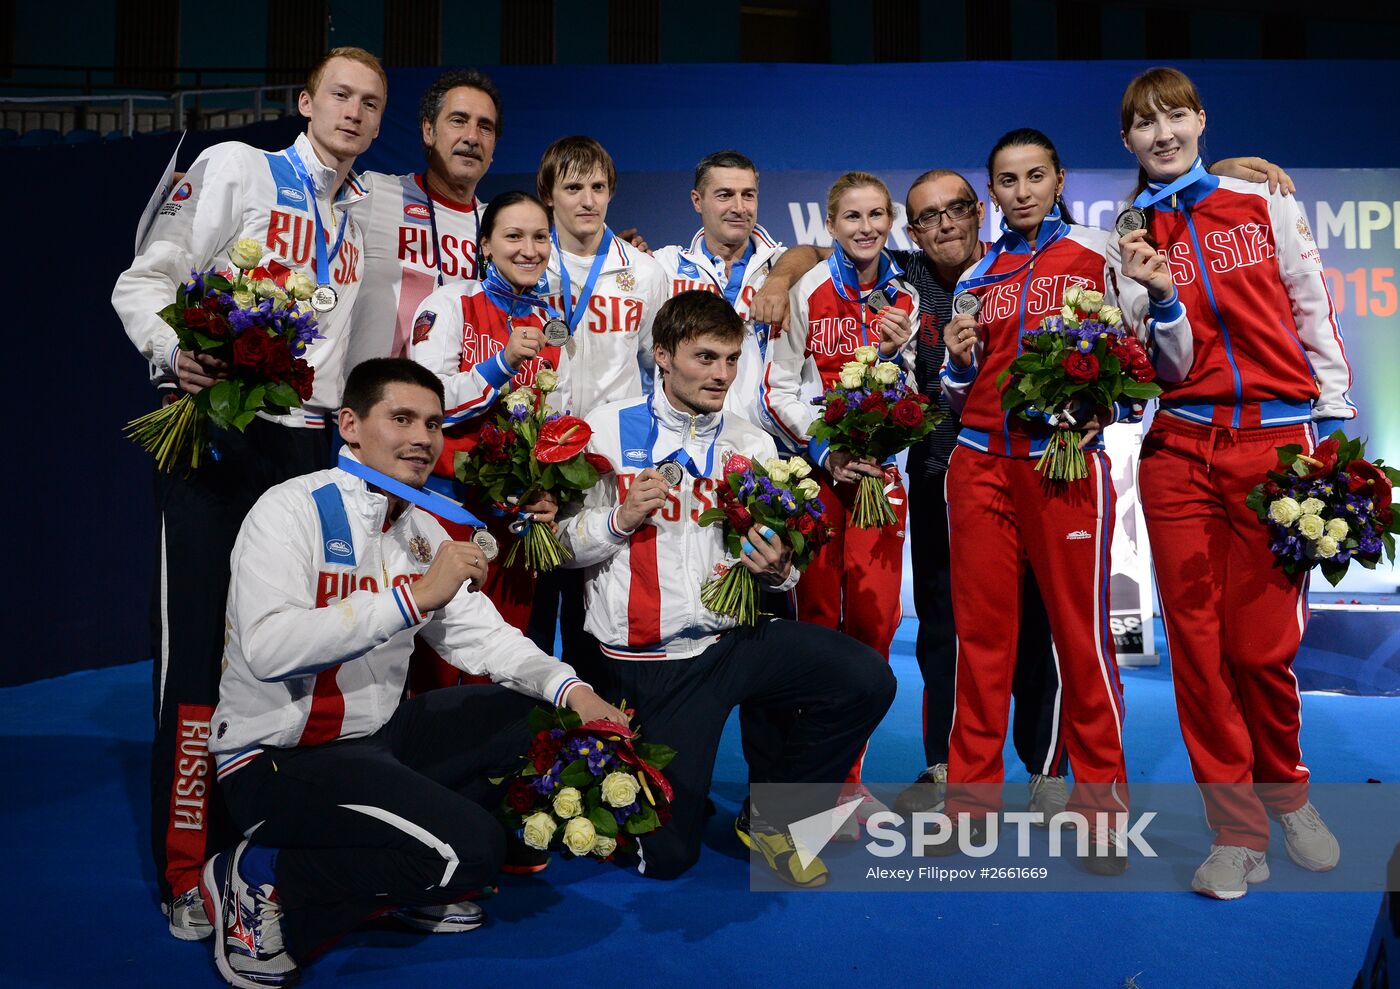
(579, 473)
(603, 821)
(568, 718)
(796, 540)
(710, 516)
(1333, 571)
(1141, 389)
(539, 719)
(576, 774)
(224, 403)
(1288, 454)
(644, 821)
(284, 395)
(655, 754)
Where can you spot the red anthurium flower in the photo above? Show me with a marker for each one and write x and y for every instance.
(562, 439)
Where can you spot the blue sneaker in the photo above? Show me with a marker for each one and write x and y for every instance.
(247, 922)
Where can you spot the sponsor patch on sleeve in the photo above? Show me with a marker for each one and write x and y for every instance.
(423, 325)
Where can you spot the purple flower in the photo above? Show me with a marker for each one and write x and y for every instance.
(520, 413)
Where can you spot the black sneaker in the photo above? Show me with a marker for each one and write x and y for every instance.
(925, 793)
(743, 825)
(977, 836)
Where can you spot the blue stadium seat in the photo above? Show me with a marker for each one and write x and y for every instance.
(114, 135)
(8, 134)
(43, 137)
(82, 135)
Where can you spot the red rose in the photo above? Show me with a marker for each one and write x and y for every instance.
(739, 517)
(1365, 474)
(792, 521)
(520, 796)
(543, 751)
(805, 524)
(1323, 457)
(196, 319)
(737, 464)
(277, 362)
(252, 349)
(835, 411)
(1271, 488)
(908, 414)
(873, 402)
(562, 439)
(1081, 367)
(1124, 354)
(859, 436)
(303, 377)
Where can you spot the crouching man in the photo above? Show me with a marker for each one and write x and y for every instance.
(353, 803)
(685, 667)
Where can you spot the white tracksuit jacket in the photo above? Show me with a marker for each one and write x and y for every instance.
(642, 589)
(321, 621)
(692, 267)
(233, 191)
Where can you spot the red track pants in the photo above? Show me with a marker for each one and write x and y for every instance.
(853, 582)
(1001, 516)
(1234, 619)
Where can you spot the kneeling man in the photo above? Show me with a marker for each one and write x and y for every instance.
(355, 804)
(685, 667)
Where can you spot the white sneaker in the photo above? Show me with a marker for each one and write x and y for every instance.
(1309, 842)
(446, 919)
(1227, 871)
(188, 919)
(1049, 796)
(248, 948)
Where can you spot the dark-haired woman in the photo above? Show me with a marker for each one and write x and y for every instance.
(478, 337)
(1004, 516)
(1233, 283)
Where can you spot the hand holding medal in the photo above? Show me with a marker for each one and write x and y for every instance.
(1146, 265)
(526, 343)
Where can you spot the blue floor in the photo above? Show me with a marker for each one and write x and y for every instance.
(80, 909)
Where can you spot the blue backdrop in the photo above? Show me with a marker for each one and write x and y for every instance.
(79, 495)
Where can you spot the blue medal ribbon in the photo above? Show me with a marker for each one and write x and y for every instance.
(574, 311)
(439, 505)
(323, 267)
(1154, 194)
(680, 455)
(1048, 235)
(847, 282)
(508, 300)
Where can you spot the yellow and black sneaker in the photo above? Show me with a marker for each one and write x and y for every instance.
(780, 855)
(743, 824)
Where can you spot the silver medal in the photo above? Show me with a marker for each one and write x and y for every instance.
(486, 543)
(556, 332)
(673, 472)
(877, 300)
(1129, 220)
(966, 304)
(324, 298)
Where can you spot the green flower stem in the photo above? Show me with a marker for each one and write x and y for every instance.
(1062, 459)
(873, 509)
(734, 594)
(173, 434)
(543, 550)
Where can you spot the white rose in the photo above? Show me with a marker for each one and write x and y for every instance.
(799, 468)
(1338, 529)
(852, 376)
(886, 372)
(777, 470)
(518, 398)
(1067, 314)
(1326, 548)
(867, 354)
(1111, 316)
(1312, 506)
(1285, 511)
(300, 286)
(547, 380)
(568, 803)
(245, 254)
(1091, 301)
(620, 789)
(603, 846)
(1311, 526)
(539, 829)
(244, 299)
(1073, 295)
(266, 288)
(579, 836)
(808, 488)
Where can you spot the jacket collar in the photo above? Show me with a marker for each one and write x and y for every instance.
(619, 257)
(682, 422)
(322, 175)
(762, 249)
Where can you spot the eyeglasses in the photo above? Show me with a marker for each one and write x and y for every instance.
(930, 218)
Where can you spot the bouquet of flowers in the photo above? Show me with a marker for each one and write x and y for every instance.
(1075, 362)
(779, 494)
(527, 449)
(588, 787)
(259, 327)
(872, 412)
(1328, 508)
